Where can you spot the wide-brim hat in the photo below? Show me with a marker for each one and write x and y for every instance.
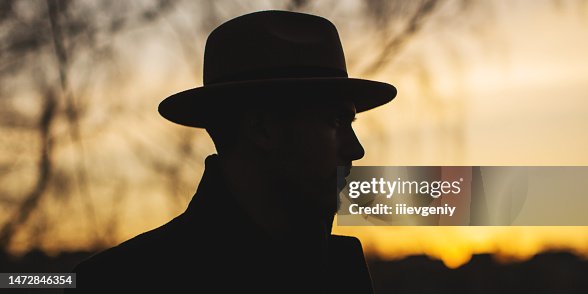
(270, 57)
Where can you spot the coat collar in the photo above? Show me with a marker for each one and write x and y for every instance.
(216, 212)
(214, 206)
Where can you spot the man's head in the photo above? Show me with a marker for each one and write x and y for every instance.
(277, 96)
(297, 147)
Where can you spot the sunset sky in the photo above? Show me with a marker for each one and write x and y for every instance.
(498, 83)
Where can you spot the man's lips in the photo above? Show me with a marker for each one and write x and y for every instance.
(343, 173)
(347, 171)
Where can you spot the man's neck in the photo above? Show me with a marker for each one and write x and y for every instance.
(252, 187)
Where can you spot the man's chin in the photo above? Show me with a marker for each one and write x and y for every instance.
(326, 211)
(323, 216)
(320, 201)
(341, 183)
(318, 211)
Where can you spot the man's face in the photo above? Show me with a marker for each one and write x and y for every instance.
(315, 140)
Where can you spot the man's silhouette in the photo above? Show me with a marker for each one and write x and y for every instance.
(278, 105)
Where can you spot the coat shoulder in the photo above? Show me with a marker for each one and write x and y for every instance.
(347, 258)
(347, 240)
(345, 245)
(140, 246)
(131, 259)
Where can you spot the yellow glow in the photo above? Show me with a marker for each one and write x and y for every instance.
(456, 245)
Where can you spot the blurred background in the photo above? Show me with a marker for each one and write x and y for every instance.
(86, 161)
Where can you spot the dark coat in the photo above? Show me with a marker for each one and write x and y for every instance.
(214, 247)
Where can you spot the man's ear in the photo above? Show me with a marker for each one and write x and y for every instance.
(262, 129)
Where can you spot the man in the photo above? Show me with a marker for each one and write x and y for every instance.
(278, 106)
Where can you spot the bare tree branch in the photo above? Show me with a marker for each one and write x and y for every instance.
(395, 40)
(24, 210)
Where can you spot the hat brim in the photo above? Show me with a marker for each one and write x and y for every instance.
(194, 107)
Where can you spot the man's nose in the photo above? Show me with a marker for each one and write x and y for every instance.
(352, 149)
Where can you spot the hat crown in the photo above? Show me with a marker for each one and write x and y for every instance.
(263, 58)
(272, 45)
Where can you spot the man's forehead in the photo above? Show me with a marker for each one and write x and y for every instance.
(342, 105)
(349, 106)
(328, 107)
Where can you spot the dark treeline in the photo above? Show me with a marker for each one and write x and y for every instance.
(551, 272)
